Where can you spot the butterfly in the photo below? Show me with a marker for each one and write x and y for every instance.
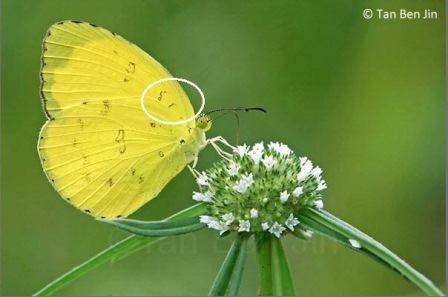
(99, 150)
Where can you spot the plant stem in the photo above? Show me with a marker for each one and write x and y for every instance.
(264, 261)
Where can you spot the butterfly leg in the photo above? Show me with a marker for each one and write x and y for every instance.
(193, 171)
(220, 151)
(198, 176)
(195, 161)
(221, 140)
(213, 142)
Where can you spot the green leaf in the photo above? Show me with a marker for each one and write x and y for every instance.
(372, 246)
(237, 275)
(281, 275)
(117, 251)
(320, 229)
(228, 280)
(158, 228)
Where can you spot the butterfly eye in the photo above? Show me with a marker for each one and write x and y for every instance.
(204, 122)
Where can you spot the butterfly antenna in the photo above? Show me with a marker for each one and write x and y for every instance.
(238, 130)
(234, 110)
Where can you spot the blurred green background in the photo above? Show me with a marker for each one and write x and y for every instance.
(364, 99)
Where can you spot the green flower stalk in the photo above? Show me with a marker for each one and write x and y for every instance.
(260, 189)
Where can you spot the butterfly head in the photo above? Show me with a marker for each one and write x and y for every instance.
(204, 122)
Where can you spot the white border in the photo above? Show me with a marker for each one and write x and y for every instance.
(142, 97)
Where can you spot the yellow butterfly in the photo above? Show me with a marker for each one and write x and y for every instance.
(98, 148)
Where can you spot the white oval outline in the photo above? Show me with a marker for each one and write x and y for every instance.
(142, 98)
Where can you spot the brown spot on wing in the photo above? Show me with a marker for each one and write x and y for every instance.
(120, 136)
(131, 67)
(161, 95)
(120, 140)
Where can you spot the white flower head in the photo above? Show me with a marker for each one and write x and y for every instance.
(241, 186)
(248, 179)
(203, 197)
(306, 233)
(258, 147)
(297, 192)
(228, 218)
(283, 150)
(321, 186)
(284, 196)
(319, 204)
(244, 226)
(316, 172)
(277, 229)
(249, 192)
(245, 182)
(208, 197)
(241, 150)
(274, 146)
(253, 213)
(305, 170)
(265, 226)
(198, 196)
(257, 152)
(269, 162)
(291, 222)
(302, 160)
(218, 225)
(233, 169)
(355, 243)
(206, 219)
(202, 179)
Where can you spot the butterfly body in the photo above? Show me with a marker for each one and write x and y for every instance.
(98, 148)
